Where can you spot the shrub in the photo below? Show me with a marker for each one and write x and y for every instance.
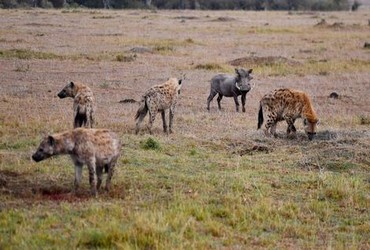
(151, 144)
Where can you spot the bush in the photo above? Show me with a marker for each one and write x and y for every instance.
(151, 144)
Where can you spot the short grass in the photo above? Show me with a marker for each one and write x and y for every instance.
(216, 182)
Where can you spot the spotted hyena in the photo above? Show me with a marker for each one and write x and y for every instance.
(288, 105)
(99, 149)
(83, 104)
(157, 99)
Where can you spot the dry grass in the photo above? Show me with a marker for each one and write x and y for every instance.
(216, 182)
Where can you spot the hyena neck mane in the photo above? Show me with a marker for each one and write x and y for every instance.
(63, 143)
(308, 111)
(77, 88)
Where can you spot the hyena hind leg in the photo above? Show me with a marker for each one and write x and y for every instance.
(152, 115)
(270, 128)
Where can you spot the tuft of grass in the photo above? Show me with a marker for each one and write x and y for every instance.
(311, 67)
(214, 67)
(103, 17)
(364, 120)
(150, 144)
(27, 54)
(163, 48)
(125, 58)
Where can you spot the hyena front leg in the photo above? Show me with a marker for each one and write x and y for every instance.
(78, 176)
(270, 127)
(99, 174)
(111, 168)
(89, 117)
(163, 113)
(172, 114)
(291, 128)
(92, 172)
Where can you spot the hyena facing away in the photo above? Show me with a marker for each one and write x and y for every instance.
(99, 149)
(157, 99)
(83, 104)
(288, 105)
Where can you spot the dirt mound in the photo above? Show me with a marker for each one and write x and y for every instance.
(224, 19)
(129, 100)
(248, 148)
(336, 25)
(141, 50)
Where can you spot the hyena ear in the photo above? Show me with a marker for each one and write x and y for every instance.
(72, 84)
(51, 140)
(180, 81)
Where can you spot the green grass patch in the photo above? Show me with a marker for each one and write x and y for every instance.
(311, 67)
(150, 144)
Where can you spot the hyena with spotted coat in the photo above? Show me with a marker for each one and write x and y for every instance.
(288, 105)
(99, 149)
(159, 98)
(83, 103)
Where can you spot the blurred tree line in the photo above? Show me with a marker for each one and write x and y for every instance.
(323, 5)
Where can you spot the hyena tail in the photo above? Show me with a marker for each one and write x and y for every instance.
(260, 117)
(80, 118)
(143, 109)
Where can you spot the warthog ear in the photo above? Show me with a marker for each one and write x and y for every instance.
(237, 71)
(72, 84)
(51, 140)
(250, 71)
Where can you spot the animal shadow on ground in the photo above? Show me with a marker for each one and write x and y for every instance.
(31, 187)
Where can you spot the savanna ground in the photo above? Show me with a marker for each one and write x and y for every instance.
(217, 182)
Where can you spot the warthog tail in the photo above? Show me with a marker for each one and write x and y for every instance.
(143, 109)
(260, 117)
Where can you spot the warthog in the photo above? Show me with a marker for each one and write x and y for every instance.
(231, 86)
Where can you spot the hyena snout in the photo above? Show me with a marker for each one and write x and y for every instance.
(37, 157)
(62, 94)
(310, 129)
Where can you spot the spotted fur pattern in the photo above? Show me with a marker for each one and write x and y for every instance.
(99, 149)
(287, 105)
(159, 98)
(83, 104)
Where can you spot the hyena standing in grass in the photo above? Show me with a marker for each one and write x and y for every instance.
(99, 149)
(83, 104)
(157, 99)
(288, 105)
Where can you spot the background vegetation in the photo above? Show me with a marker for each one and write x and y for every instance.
(215, 183)
(323, 5)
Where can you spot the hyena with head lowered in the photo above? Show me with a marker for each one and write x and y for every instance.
(99, 149)
(83, 104)
(288, 105)
(157, 99)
